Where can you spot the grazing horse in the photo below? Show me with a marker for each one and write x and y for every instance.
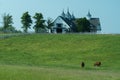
(97, 64)
(82, 64)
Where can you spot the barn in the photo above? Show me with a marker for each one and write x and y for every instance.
(65, 23)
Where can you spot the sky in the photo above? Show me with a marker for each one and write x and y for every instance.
(107, 10)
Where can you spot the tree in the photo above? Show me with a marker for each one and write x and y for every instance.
(26, 21)
(83, 25)
(49, 23)
(39, 22)
(7, 22)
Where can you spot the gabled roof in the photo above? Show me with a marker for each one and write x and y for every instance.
(66, 20)
(69, 22)
(62, 19)
(96, 23)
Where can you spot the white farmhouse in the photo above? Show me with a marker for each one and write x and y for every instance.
(65, 23)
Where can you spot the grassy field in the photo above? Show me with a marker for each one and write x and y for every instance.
(58, 57)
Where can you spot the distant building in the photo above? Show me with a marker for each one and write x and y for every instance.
(65, 23)
(95, 23)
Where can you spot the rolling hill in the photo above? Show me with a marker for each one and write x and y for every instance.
(58, 57)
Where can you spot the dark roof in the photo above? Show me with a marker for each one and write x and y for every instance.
(96, 23)
(66, 20)
(70, 23)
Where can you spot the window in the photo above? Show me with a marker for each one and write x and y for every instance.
(59, 25)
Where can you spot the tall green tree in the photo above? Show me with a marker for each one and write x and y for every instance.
(7, 21)
(26, 21)
(49, 23)
(39, 22)
(83, 25)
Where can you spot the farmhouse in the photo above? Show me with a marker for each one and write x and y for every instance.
(65, 23)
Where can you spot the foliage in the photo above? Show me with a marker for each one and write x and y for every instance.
(39, 22)
(49, 23)
(26, 21)
(1, 29)
(7, 22)
(83, 25)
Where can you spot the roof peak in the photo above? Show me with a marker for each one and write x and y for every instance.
(63, 14)
(89, 15)
(67, 14)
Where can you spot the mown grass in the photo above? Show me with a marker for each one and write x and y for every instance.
(38, 73)
(58, 57)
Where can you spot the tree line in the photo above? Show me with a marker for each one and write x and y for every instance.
(40, 24)
(26, 20)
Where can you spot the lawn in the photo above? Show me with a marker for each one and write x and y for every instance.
(58, 57)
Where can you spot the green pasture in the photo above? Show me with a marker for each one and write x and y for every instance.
(58, 57)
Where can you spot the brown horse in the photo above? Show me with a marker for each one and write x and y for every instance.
(97, 64)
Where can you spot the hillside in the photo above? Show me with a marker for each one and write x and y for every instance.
(61, 51)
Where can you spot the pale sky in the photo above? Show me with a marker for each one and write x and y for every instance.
(107, 10)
